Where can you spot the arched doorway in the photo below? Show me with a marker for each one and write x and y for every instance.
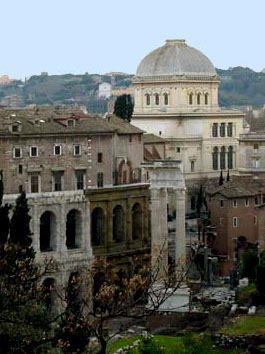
(98, 229)
(48, 292)
(47, 232)
(73, 229)
(137, 222)
(118, 224)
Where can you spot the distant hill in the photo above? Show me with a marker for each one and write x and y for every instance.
(238, 87)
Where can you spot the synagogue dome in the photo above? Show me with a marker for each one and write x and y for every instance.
(175, 58)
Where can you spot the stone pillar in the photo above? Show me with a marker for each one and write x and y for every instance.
(109, 217)
(61, 231)
(86, 234)
(159, 245)
(180, 236)
(128, 216)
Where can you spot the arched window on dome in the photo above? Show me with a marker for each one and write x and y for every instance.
(166, 99)
(148, 99)
(198, 99)
(191, 98)
(222, 158)
(206, 99)
(157, 99)
(215, 158)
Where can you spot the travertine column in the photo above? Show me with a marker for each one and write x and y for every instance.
(180, 236)
(159, 252)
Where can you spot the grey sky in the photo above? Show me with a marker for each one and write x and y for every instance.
(75, 36)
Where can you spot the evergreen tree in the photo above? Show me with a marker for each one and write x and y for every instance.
(221, 179)
(124, 107)
(228, 176)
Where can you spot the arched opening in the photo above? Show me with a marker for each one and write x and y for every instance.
(193, 202)
(73, 294)
(198, 99)
(118, 224)
(137, 222)
(166, 99)
(222, 158)
(230, 157)
(191, 98)
(48, 293)
(73, 229)
(47, 232)
(215, 158)
(148, 99)
(97, 227)
(206, 99)
(192, 166)
(157, 99)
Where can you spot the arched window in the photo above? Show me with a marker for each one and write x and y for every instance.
(157, 99)
(191, 98)
(230, 157)
(73, 229)
(192, 166)
(222, 158)
(148, 99)
(198, 99)
(98, 227)
(206, 99)
(48, 293)
(215, 158)
(73, 293)
(118, 230)
(47, 232)
(137, 222)
(193, 202)
(166, 99)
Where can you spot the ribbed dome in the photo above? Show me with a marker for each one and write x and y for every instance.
(175, 58)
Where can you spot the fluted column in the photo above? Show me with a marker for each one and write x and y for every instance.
(159, 244)
(180, 236)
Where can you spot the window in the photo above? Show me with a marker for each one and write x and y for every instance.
(222, 129)
(160, 133)
(222, 158)
(139, 137)
(148, 99)
(57, 150)
(20, 169)
(198, 99)
(124, 177)
(215, 158)
(246, 202)
(20, 188)
(215, 130)
(34, 183)
(100, 179)
(256, 163)
(221, 221)
(166, 99)
(157, 99)
(77, 150)
(130, 138)
(190, 98)
(234, 203)
(235, 221)
(178, 149)
(255, 219)
(71, 123)
(57, 181)
(33, 151)
(256, 200)
(80, 179)
(221, 203)
(17, 153)
(206, 100)
(100, 157)
(193, 202)
(192, 166)
(256, 147)
(230, 157)
(230, 129)
(15, 128)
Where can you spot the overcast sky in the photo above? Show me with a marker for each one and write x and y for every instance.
(78, 36)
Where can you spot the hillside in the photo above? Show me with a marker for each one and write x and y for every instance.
(238, 87)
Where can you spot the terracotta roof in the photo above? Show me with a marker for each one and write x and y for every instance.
(152, 138)
(51, 121)
(239, 187)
